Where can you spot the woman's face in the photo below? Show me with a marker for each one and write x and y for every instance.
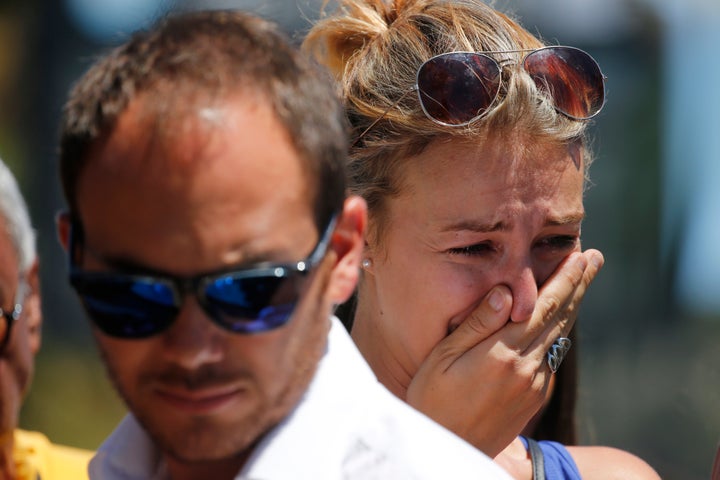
(470, 216)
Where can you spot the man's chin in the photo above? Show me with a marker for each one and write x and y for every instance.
(205, 447)
(205, 439)
(206, 460)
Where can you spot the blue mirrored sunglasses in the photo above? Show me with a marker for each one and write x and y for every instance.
(249, 300)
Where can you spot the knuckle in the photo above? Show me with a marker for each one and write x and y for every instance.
(502, 362)
(443, 353)
(520, 367)
(549, 304)
(534, 384)
(478, 323)
(522, 379)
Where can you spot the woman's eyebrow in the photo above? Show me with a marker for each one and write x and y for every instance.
(476, 226)
(568, 219)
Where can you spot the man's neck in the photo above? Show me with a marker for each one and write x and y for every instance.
(226, 469)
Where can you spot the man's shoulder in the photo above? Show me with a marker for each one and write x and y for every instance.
(349, 425)
(412, 446)
(35, 452)
(375, 436)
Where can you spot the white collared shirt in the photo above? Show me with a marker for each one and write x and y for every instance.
(346, 426)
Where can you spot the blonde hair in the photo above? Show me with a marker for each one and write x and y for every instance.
(374, 48)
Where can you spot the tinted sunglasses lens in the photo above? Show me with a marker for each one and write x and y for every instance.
(457, 88)
(571, 77)
(126, 307)
(251, 304)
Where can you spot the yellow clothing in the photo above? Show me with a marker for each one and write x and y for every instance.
(38, 459)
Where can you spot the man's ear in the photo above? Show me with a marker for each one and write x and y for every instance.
(32, 308)
(62, 223)
(347, 242)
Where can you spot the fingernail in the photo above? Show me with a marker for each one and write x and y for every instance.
(597, 260)
(496, 300)
(581, 261)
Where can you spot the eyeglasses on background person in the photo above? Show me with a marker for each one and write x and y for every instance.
(247, 300)
(10, 317)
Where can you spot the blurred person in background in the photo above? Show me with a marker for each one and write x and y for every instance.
(470, 151)
(209, 236)
(23, 454)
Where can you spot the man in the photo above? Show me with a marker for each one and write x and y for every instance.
(209, 237)
(23, 454)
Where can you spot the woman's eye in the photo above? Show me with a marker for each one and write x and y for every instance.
(559, 242)
(472, 250)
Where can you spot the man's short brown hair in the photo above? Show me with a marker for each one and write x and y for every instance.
(212, 54)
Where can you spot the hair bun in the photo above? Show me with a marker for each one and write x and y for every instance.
(335, 39)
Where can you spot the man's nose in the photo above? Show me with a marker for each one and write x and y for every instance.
(193, 339)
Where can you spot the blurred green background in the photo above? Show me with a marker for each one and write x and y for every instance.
(650, 375)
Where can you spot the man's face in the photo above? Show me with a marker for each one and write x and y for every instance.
(17, 358)
(217, 188)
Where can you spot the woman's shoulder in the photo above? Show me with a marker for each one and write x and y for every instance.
(608, 463)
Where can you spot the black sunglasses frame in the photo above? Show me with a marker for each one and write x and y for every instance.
(81, 280)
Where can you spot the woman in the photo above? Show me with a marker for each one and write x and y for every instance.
(470, 151)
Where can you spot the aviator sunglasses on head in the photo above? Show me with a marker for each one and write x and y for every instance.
(457, 88)
(248, 300)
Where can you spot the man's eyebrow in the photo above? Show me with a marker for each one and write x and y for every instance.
(123, 264)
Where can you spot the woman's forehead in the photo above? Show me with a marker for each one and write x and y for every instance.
(490, 163)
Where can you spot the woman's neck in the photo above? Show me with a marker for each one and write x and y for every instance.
(378, 354)
(515, 459)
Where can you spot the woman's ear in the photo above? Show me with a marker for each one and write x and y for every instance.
(62, 223)
(348, 242)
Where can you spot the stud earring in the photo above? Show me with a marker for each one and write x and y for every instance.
(366, 263)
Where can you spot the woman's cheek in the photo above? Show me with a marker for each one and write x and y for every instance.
(464, 292)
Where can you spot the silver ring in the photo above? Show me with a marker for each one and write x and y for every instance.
(557, 353)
